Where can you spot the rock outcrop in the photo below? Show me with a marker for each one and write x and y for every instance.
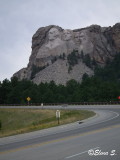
(63, 54)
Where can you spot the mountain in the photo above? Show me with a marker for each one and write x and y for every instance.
(62, 54)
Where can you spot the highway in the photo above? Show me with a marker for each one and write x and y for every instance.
(95, 138)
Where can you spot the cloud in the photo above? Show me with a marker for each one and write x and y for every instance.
(19, 20)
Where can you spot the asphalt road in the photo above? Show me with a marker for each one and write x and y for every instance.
(95, 138)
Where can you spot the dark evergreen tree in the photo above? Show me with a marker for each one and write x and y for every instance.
(103, 86)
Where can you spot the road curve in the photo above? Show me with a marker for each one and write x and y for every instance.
(95, 138)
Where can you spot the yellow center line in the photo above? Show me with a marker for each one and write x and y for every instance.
(60, 139)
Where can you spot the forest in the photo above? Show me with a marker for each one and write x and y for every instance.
(104, 86)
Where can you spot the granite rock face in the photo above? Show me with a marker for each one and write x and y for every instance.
(52, 47)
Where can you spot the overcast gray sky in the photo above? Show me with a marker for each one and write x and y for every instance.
(20, 19)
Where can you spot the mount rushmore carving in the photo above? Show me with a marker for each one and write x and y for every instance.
(51, 42)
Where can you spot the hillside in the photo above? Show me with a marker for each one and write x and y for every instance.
(60, 55)
(103, 86)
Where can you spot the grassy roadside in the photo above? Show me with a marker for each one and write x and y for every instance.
(16, 121)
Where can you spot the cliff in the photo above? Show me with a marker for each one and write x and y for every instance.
(63, 54)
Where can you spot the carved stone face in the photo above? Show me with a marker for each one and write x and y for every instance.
(77, 37)
(67, 34)
(53, 34)
(82, 36)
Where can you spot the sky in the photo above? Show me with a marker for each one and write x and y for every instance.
(20, 19)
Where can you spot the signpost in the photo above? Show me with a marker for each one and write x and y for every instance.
(28, 99)
(58, 116)
(119, 97)
(42, 105)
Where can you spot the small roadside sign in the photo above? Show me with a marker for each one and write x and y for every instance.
(119, 97)
(58, 116)
(28, 99)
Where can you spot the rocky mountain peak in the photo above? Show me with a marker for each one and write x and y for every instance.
(62, 54)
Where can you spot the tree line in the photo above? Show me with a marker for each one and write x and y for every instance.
(91, 89)
(103, 86)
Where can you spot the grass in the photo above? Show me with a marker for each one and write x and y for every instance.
(16, 121)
